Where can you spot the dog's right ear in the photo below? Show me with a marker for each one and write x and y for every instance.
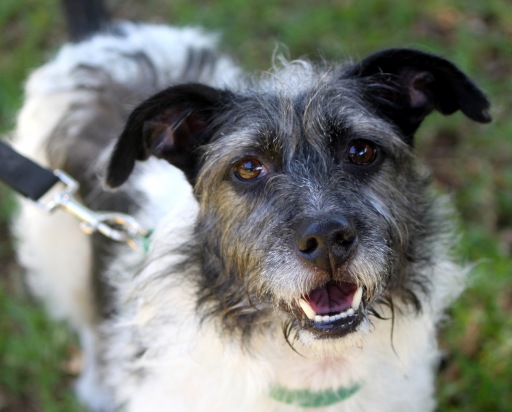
(169, 125)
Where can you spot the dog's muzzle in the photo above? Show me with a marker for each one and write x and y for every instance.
(333, 308)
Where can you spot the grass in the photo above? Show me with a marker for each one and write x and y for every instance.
(471, 162)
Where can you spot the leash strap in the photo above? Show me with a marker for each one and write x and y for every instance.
(23, 175)
(34, 181)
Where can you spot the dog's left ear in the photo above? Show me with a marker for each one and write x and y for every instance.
(406, 85)
(169, 125)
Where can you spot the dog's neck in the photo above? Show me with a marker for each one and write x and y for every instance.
(312, 399)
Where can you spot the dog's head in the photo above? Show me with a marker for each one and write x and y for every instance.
(312, 205)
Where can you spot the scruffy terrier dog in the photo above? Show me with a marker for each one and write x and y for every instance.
(299, 257)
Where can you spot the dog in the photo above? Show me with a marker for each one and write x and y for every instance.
(299, 257)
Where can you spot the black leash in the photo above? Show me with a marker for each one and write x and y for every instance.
(23, 175)
(51, 190)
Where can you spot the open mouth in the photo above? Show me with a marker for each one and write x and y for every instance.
(333, 309)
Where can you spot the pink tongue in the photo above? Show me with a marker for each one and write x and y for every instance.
(334, 297)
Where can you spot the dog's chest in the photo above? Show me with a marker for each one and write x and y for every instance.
(202, 372)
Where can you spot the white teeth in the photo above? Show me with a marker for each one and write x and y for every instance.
(357, 298)
(308, 310)
(311, 314)
(327, 318)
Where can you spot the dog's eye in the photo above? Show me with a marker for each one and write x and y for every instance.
(361, 152)
(249, 168)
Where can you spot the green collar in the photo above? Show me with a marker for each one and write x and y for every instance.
(145, 242)
(311, 399)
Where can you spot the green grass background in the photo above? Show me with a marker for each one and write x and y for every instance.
(471, 162)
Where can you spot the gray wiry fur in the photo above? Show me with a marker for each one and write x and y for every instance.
(303, 135)
(232, 279)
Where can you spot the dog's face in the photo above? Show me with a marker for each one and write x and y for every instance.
(311, 201)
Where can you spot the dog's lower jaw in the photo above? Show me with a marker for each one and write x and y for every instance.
(309, 342)
(336, 329)
(327, 327)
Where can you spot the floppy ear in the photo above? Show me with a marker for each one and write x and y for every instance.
(406, 85)
(169, 125)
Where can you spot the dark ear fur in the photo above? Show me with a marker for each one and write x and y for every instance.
(169, 125)
(406, 85)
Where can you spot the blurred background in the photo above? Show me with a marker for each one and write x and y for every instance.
(471, 162)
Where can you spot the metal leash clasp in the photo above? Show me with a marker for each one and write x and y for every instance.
(116, 226)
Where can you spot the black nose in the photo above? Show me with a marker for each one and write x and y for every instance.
(326, 243)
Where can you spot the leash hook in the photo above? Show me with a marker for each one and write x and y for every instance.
(119, 227)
